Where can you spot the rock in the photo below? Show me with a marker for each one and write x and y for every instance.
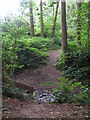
(43, 95)
(52, 100)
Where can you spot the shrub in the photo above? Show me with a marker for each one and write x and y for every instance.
(31, 57)
(11, 91)
(75, 64)
(16, 56)
(45, 44)
(8, 87)
(69, 91)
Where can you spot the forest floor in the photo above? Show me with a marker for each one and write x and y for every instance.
(14, 108)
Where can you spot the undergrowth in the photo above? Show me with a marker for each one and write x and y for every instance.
(9, 89)
(69, 91)
(24, 52)
(66, 90)
(44, 44)
(75, 64)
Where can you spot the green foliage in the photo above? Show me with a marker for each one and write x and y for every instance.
(19, 51)
(29, 57)
(72, 22)
(21, 55)
(57, 41)
(48, 27)
(25, 52)
(8, 87)
(48, 84)
(85, 22)
(71, 34)
(78, 74)
(9, 57)
(75, 64)
(11, 91)
(69, 91)
(5, 77)
(43, 44)
(14, 28)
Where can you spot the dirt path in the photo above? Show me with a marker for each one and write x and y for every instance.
(46, 73)
(14, 108)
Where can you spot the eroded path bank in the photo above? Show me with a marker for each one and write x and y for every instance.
(14, 108)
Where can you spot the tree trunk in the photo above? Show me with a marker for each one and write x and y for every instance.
(78, 5)
(41, 17)
(64, 27)
(88, 31)
(55, 19)
(53, 9)
(31, 19)
(22, 14)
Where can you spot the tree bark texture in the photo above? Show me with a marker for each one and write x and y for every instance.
(31, 19)
(64, 27)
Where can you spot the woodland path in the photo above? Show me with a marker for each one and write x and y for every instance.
(45, 73)
(14, 108)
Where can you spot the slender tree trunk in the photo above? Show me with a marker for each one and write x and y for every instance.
(22, 14)
(41, 18)
(53, 9)
(64, 27)
(31, 19)
(78, 5)
(88, 31)
(55, 19)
